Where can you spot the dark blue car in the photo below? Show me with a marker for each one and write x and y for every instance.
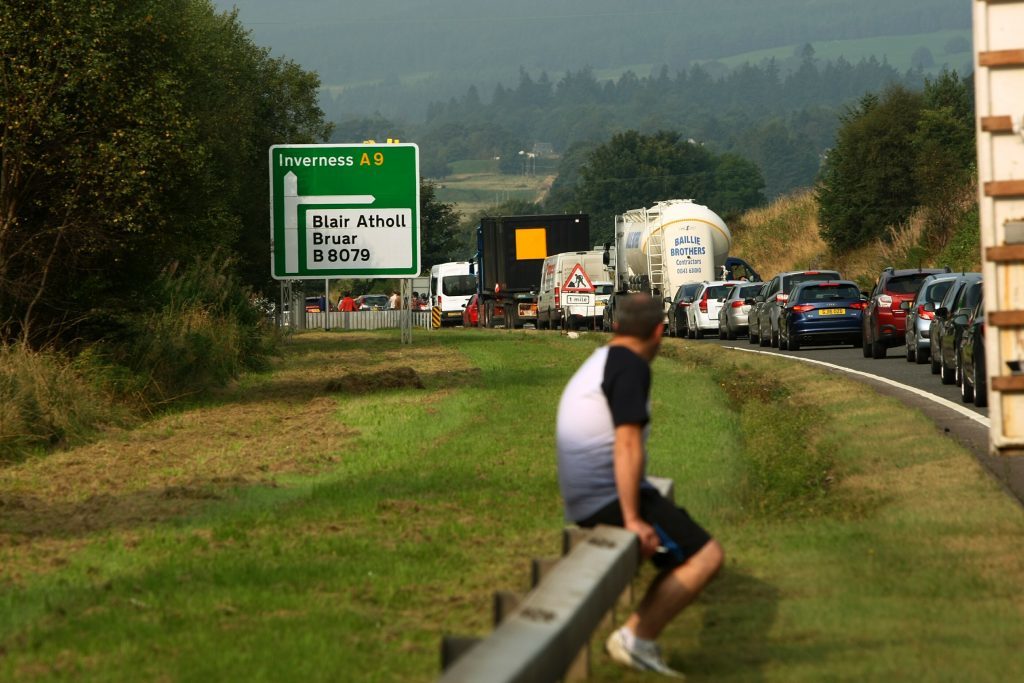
(822, 312)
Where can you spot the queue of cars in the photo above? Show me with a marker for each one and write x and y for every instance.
(938, 315)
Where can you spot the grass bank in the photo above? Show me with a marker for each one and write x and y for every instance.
(330, 519)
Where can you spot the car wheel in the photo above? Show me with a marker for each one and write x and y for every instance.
(966, 389)
(945, 374)
(775, 339)
(729, 334)
(698, 333)
(721, 334)
(980, 384)
(936, 362)
(958, 373)
(763, 340)
(911, 353)
(752, 338)
(921, 356)
(865, 346)
(783, 343)
(878, 349)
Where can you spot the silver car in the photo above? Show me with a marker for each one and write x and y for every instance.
(732, 317)
(922, 312)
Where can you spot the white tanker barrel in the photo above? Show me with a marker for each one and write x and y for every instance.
(695, 242)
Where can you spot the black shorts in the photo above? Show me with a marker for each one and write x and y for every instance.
(681, 537)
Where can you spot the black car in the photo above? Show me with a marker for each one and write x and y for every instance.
(952, 320)
(971, 363)
(677, 325)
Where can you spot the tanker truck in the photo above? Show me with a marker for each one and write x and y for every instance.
(670, 244)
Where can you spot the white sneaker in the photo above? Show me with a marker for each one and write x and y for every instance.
(643, 656)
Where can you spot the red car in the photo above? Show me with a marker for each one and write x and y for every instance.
(471, 313)
(885, 320)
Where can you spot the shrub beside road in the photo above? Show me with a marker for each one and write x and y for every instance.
(330, 519)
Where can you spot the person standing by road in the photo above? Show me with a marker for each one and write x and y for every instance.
(347, 304)
(395, 301)
(602, 427)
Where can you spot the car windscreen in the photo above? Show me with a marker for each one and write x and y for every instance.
(718, 291)
(937, 291)
(602, 290)
(905, 284)
(458, 285)
(748, 292)
(971, 296)
(686, 292)
(812, 293)
(375, 300)
(791, 281)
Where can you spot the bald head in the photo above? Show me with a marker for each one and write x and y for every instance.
(637, 315)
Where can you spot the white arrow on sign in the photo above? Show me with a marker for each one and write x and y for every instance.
(292, 201)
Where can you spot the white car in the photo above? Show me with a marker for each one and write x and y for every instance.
(702, 314)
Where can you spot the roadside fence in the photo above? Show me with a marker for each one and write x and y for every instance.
(364, 320)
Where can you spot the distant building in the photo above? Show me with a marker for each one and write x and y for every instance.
(544, 150)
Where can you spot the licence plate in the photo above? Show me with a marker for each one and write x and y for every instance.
(831, 311)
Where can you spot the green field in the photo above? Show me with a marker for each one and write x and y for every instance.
(475, 185)
(331, 519)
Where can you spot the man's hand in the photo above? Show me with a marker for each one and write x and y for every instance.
(649, 540)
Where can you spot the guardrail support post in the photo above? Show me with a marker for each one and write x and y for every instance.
(453, 647)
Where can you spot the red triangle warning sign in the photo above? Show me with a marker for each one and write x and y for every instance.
(578, 281)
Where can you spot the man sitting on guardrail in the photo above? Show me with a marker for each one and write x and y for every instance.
(603, 422)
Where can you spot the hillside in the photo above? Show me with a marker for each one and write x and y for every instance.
(444, 46)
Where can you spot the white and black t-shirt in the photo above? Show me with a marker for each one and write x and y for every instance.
(611, 388)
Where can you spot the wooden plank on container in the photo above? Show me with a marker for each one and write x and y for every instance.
(1001, 58)
(996, 124)
(1004, 188)
(1010, 384)
(539, 641)
(1006, 319)
(1008, 253)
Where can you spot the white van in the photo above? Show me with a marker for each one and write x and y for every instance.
(573, 290)
(451, 286)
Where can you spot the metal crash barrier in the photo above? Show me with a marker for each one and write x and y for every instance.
(545, 635)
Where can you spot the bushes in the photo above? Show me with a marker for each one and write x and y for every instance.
(201, 333)
(46, 401)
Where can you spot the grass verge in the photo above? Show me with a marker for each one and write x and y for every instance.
(306, 526)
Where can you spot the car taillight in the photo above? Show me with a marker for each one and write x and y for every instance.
(738, 303)
(558, 297)
(884, 301)
(439, 301)
(859, 305)
(803, 308)
(925, 314)
(684, 304)
(782, 297)
(703, 303)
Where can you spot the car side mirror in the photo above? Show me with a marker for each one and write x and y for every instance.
(748, 301)
(941, 312)
(906, 305)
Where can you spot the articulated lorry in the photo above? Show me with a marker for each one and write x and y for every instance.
(510, 252)
(672, 243)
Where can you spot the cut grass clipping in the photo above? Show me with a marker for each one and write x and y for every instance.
(330, 520)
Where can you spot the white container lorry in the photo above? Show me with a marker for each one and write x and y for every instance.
(670, 244)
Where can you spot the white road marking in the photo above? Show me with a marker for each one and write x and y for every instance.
(980, 419)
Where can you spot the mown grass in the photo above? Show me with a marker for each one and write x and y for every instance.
(350, 565)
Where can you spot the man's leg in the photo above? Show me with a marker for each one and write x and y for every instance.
(673, 590)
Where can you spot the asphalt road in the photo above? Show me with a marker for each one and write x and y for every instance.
(916, 386)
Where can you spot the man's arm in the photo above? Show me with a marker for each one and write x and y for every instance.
(629, 468)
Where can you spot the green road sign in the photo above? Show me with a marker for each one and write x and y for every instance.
(344, 211)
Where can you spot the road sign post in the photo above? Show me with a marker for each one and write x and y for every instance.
(344, 211)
